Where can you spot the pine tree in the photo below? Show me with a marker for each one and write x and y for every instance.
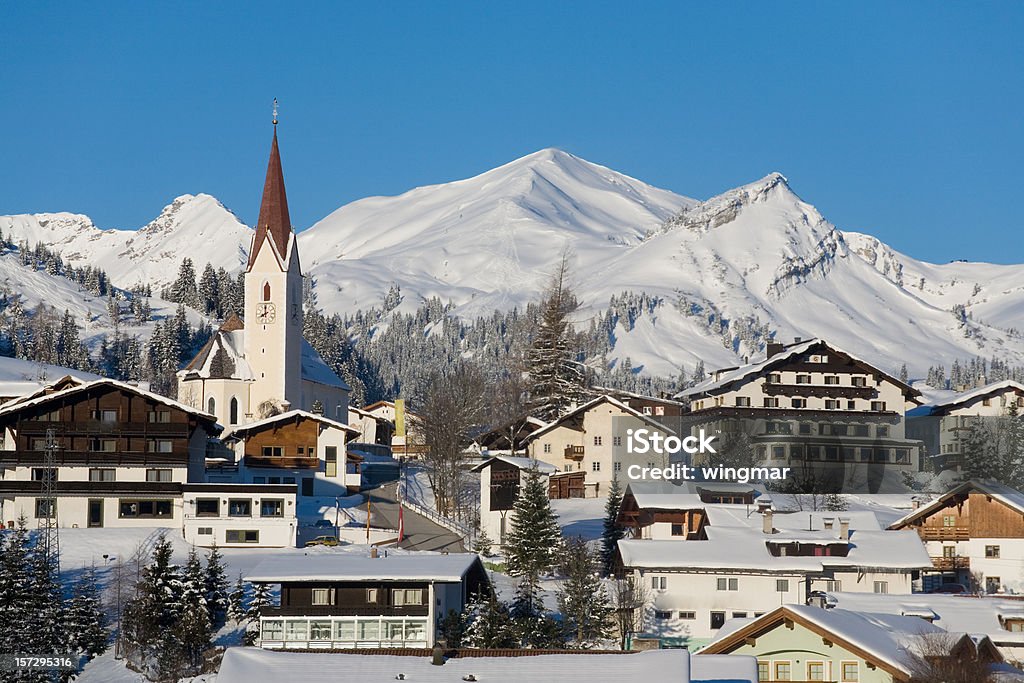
(488, 623)
(15, 588)
(193, 628)
(236, 602)
(534, 536)
(153, 613)
(904, 375)
(87, 622)
(533, 626)
(582, 599)
(260, 599)
(556, 376)
(975, 460)
(611, 531)
(209, 292)
(216, 581)
(1014, 470)
(184, 290)
(482, 544)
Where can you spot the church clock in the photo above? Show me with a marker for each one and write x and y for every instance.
(265, 313)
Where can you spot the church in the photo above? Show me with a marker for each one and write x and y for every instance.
(251, 370)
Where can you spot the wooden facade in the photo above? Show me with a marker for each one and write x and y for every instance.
(567, 485)
(290, 445)
(971, 515)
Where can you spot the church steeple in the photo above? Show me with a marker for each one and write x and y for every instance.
(274, 219)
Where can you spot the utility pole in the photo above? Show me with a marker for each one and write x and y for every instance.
(49, 536)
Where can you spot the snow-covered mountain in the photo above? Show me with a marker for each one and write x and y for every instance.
(718, 274)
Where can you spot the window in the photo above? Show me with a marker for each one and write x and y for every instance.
(881, 587)
(717, 619)
(850, 671)
(882, 431)
(805, 428)
(646, 410)
(102, 445)
(323, 596)
(687, 615)
(815, 671)
(783, 671)
(43, 473)
(144, 508)
(37, 444)
(903, 456)
(211, 406)
(371, 595)
(616, 440)
(878, 406)
(271, 508)
(595, 467)
(859, 381)
(662, 615)
(208, 507)
(992, 551)
(771, 402)
(831, 404)
(851, 405)
(860, 430)
(949, 551)
(948, 520)
(831, 379)
(45, 507)
(617, 467)
(834, 586)
(775, 378)
(239, 507)
(547, 448)
(739, 615)
(158, 475)
(728, 584)
(782, 585)
(271, 451)
(992, 584)
(159, 445)
(164, 416)
(763, 669)
(796, 452)
(658, 583)
(803, 379)
(799, 402)
(205, 531)
(678, 530)
(742, 401)
(400, 597)
(778, 452)
(101, 474)
(330, 460)
(242, 536)
(597, 441)
(266, 291)
(105, 415)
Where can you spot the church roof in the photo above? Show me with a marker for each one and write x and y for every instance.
(274, 220)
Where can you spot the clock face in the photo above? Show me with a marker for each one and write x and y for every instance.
(265, 313)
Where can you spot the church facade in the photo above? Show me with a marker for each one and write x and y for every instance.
(251, 369)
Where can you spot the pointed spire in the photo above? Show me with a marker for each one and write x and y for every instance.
(274, 219)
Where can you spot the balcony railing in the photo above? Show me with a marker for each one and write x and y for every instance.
(820, 390)
(574, 452)
(951, 563)
(287, 462)
(98, 458)
(100, 428)
(944, 533)
(345, 611)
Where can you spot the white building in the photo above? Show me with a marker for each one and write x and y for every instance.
(723, 561)
(974, 535)
(593, 439)
(500, 480)
(265, 359)
(239, 516)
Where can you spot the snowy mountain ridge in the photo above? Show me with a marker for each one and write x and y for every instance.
(722, 275)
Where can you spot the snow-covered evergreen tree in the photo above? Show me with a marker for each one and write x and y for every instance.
(611, 532)
(193, 628)
(236, 602)
(534, 538)
(216, 582)
(87, 622)
(488, 623)
(582, 599)
(260, 599)
(534, 626)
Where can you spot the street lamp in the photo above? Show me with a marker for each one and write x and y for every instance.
(117, 581)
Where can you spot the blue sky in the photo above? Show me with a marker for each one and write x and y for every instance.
(898, 119)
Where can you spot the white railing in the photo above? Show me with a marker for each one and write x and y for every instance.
(433, 515)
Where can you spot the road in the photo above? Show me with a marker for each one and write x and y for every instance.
(420, 533)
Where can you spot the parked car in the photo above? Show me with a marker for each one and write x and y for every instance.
(324, 524)
(950, 588)
(323, 540)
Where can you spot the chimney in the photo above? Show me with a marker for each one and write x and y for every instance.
(827, 522)
(374, 552)
(844, 528)
(437, 655)
(764, 504)
(768, 520)
(773, 348)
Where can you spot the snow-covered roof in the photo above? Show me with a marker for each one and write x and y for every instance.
(255, 665)
(595, 402)
(314, 369)
(889, 640)
(420, 566)
(9, 408)
(521, 463)
(242, 430)
(723, 379)
(632, 394)
(681, 495)
(223, 355)
(723, 669)
(980, 392)
(746, 548)
(997, 490)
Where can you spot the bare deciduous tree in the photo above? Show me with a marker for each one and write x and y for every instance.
(629, 599)
(947, 658)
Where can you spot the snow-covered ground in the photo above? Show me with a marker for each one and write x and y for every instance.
(583, 517)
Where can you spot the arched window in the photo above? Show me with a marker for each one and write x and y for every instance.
(233, 418)
(266, 291)
(211, 406)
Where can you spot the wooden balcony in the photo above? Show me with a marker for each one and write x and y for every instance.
(951, 563)
(93, 458)
(284, 462)
(944, 533)
(346, 611)
(101, 428)
(820, 390)
(574, 453)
